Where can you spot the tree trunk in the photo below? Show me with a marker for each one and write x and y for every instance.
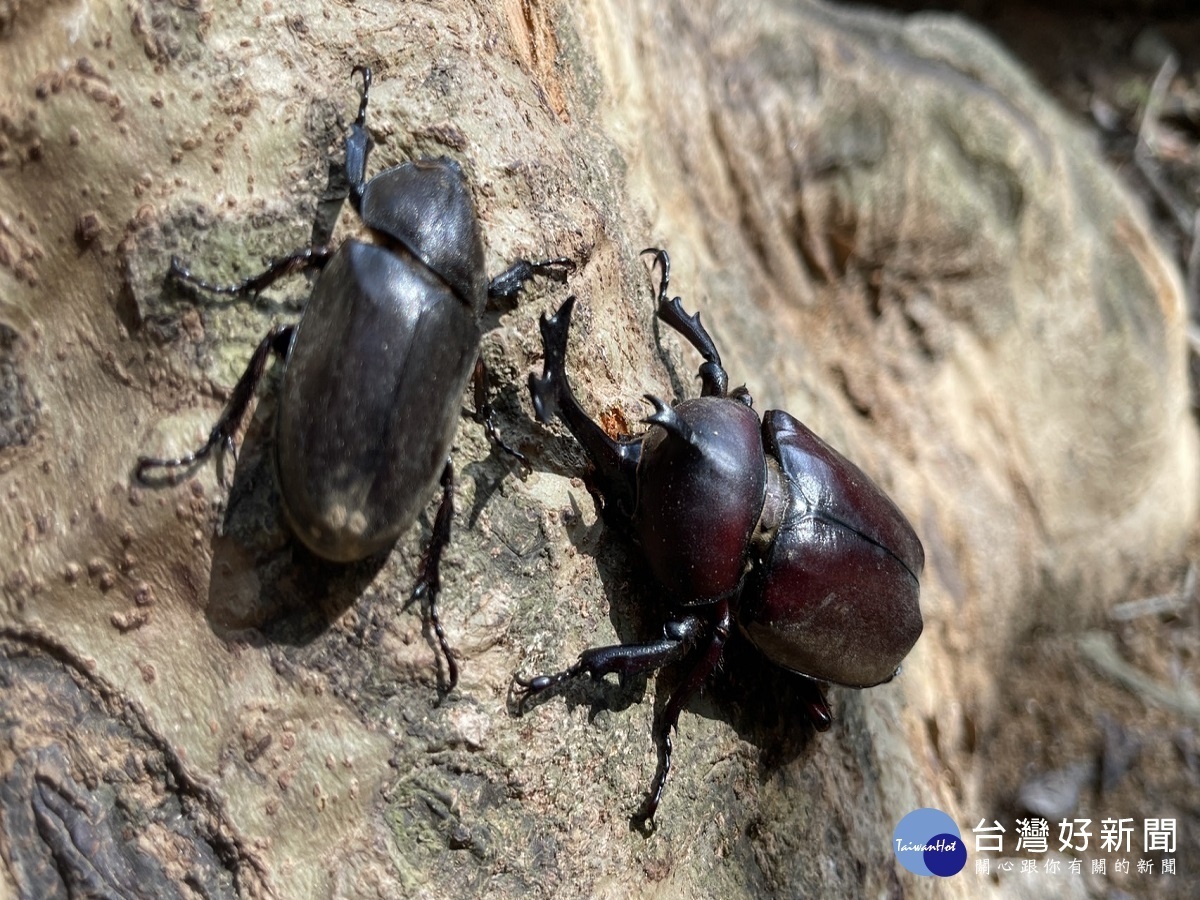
(889, 232)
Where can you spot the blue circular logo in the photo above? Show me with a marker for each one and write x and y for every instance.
(928, 842)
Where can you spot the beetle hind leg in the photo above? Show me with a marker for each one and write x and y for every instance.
(669, 719)
(429, 583)
(277, 342)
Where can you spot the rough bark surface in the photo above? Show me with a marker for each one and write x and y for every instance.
(889, 231)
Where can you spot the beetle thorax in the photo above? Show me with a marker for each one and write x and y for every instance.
(426, 207)
(701, 480)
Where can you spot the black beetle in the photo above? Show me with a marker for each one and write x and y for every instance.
(761, 524)
(375, 369)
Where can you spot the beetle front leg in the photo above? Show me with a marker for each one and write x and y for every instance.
(277, 341)
(714, 379)
(429, 583)
(669, 719)
(509, 283)
(615, 462)
(622, 660)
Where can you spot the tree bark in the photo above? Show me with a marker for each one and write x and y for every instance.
(889, 231)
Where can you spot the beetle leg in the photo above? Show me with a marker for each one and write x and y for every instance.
(815, 706)
(713, 378)
(277, 341)
(483, 414)
(508, 283)
(299, 261)
(701, 670)
(429, 584)
(358, 144)
(615, 462)
(622, 660)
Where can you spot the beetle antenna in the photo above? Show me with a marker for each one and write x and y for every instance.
(666, 418)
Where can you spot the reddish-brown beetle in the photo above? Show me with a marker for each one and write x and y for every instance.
(758, 523)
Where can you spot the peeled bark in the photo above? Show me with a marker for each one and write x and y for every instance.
(889, 231)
